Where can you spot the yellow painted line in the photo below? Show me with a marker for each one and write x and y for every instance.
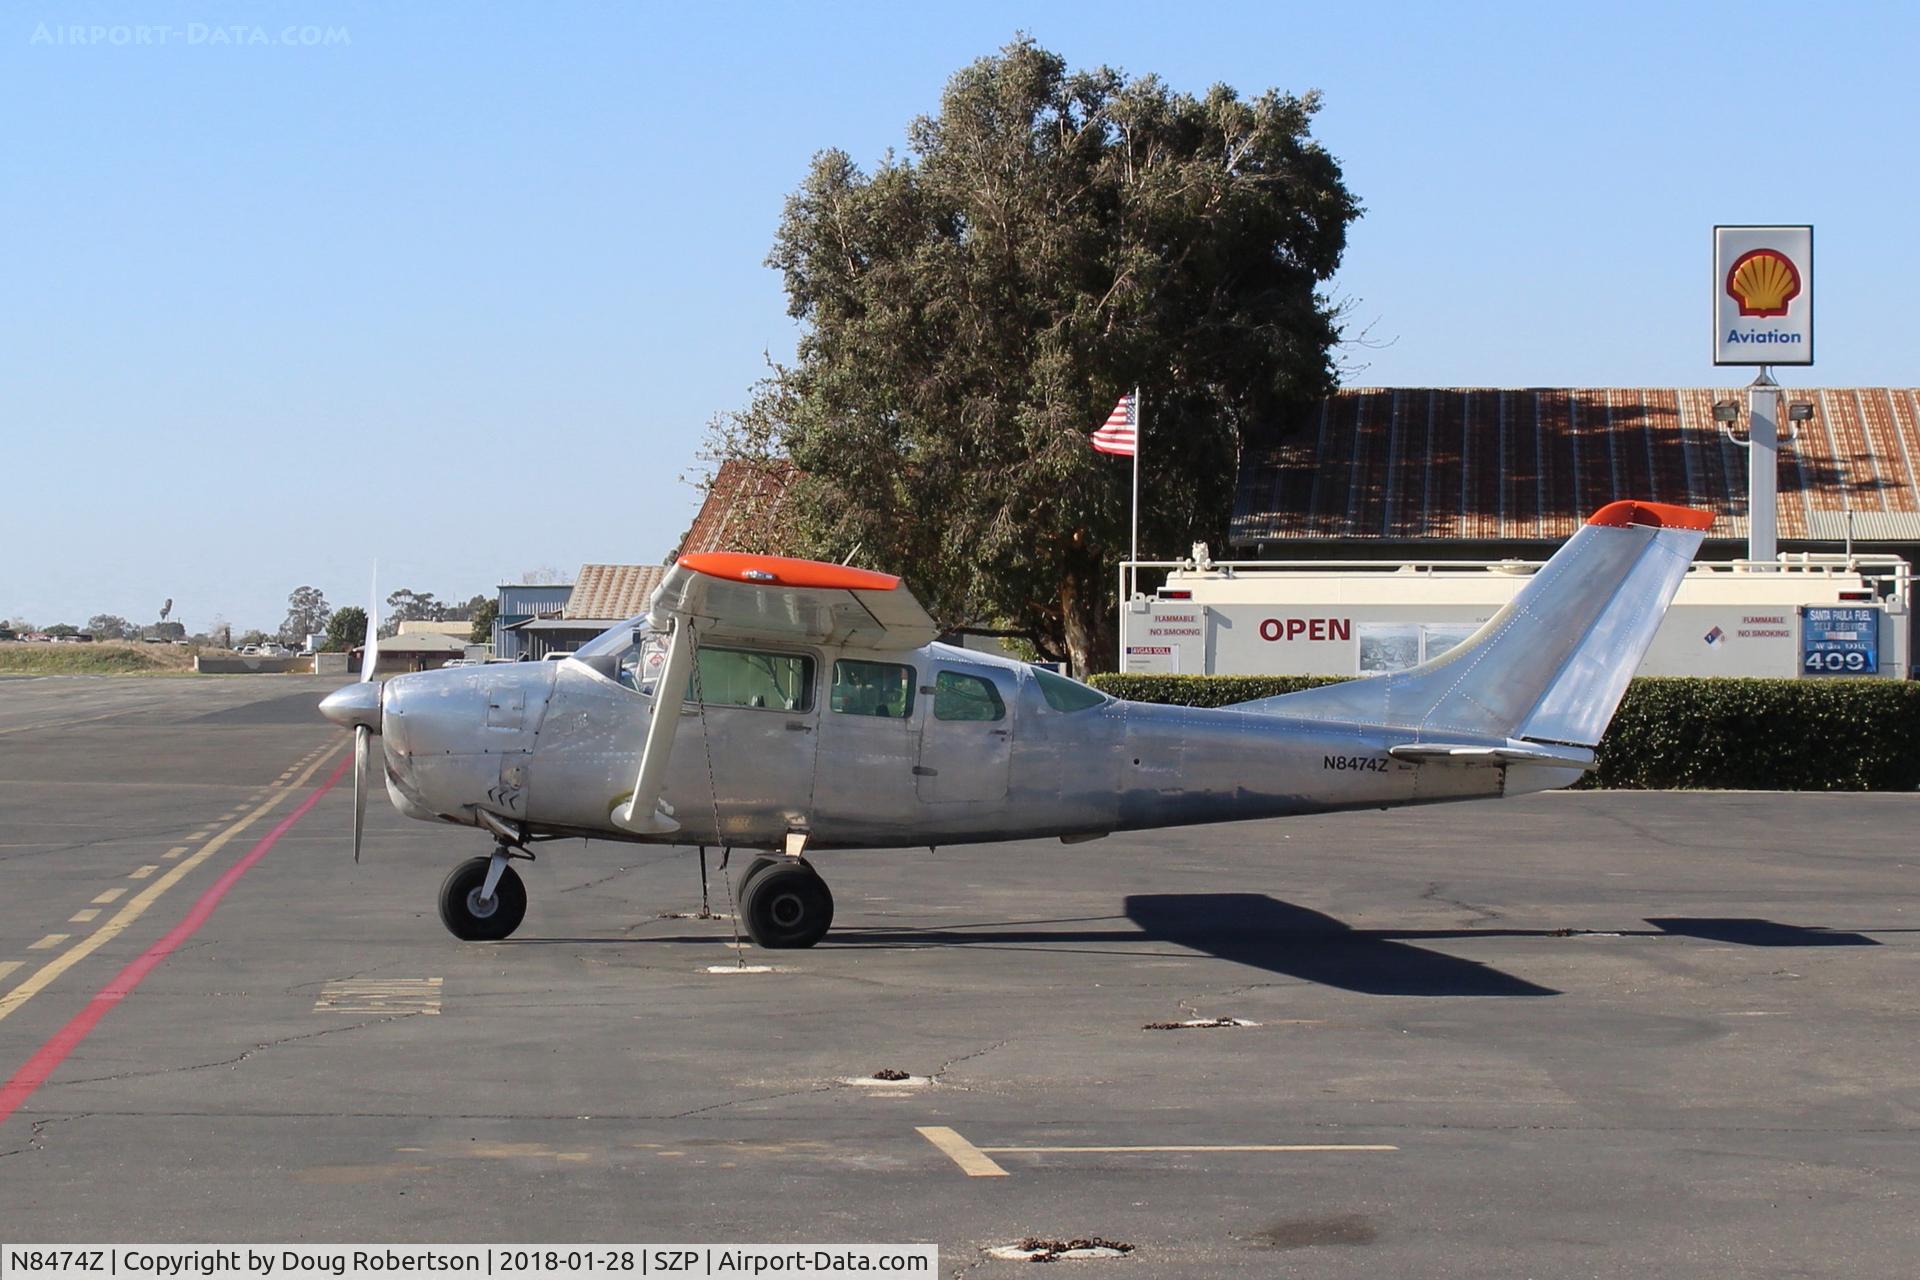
(175, 852)
(83, 917)
(1297, 1146)
(143, 872)
(137, 906)
(8, 966)
(199, 835)
(971, 1160)
(109, 896)
(51, 940)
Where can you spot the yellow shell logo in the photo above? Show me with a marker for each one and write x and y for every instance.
(1763, 282)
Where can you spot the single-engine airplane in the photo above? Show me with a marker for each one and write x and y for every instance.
(787, 706)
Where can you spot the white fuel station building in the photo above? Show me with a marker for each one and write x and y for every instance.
(1385, 524)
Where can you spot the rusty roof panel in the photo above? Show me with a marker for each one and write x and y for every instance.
(742, 510)
(1531, 464)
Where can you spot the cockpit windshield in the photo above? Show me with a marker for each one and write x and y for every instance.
(615, 639)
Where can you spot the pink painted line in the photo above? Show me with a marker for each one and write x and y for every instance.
(63, 1042)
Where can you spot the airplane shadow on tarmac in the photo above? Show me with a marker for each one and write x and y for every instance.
(1266, 933)
(1263, 933)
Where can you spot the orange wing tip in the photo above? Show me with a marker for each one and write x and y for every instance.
(784, 571)
(1658, 515)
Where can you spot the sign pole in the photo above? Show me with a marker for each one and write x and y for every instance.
(1763, 463)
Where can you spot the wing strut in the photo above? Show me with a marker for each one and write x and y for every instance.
(642, 813)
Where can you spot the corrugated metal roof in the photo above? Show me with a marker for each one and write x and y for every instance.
(742, 509)
(612, 590)
(1517, 465)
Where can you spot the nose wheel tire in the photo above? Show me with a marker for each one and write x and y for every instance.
(786, 906)
(471, 918)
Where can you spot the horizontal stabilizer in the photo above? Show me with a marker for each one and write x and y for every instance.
(1469, 754)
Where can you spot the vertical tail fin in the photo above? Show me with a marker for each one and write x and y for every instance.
(1552, 665)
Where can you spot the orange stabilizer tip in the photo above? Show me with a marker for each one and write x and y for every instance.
(1658, 515)
(784, 571)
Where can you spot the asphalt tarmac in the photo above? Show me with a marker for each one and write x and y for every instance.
(1569, 1035)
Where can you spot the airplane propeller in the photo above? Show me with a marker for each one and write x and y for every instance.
(362, 733)
(358, 706)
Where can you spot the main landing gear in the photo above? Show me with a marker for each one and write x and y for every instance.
(784, 904)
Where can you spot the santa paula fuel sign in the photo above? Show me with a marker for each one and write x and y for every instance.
(1843, 641)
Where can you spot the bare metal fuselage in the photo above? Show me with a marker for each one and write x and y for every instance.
(553, 748)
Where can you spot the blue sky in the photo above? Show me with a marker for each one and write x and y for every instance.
(459, 285)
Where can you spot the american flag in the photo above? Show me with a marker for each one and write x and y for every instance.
(1116, 434)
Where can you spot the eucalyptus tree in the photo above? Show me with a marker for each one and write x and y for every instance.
(973, 308)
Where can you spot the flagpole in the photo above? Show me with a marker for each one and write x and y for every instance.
(1133, 571)
(1137, 424)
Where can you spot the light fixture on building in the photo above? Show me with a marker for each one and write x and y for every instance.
(1800, 411)
(1726, 411)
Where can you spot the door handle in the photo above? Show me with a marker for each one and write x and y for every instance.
(799, 726)
(999, 733)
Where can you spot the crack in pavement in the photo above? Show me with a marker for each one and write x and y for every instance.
(1478, 914)
(240, 1057)
(951, 1063)
(621, 871)
(766, 1097)
(36, 1135)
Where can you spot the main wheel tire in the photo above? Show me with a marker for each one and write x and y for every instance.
(470, 919)
(754, 868)
(786, 906)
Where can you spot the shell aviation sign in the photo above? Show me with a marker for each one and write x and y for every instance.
(1763, 295)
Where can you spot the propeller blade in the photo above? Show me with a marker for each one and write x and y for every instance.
(360, 736)
(370, 654)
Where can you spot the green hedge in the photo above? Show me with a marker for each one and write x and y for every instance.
(1762, 735)
(1204, 691)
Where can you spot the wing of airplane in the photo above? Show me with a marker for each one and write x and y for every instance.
(724, 595)
(749, 597)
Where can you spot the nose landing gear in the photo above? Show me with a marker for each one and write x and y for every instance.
(483, 899)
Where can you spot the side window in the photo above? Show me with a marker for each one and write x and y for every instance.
(872, 689)
(1063, 694)
(958, 697)
(640, 664)
(743, 678)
